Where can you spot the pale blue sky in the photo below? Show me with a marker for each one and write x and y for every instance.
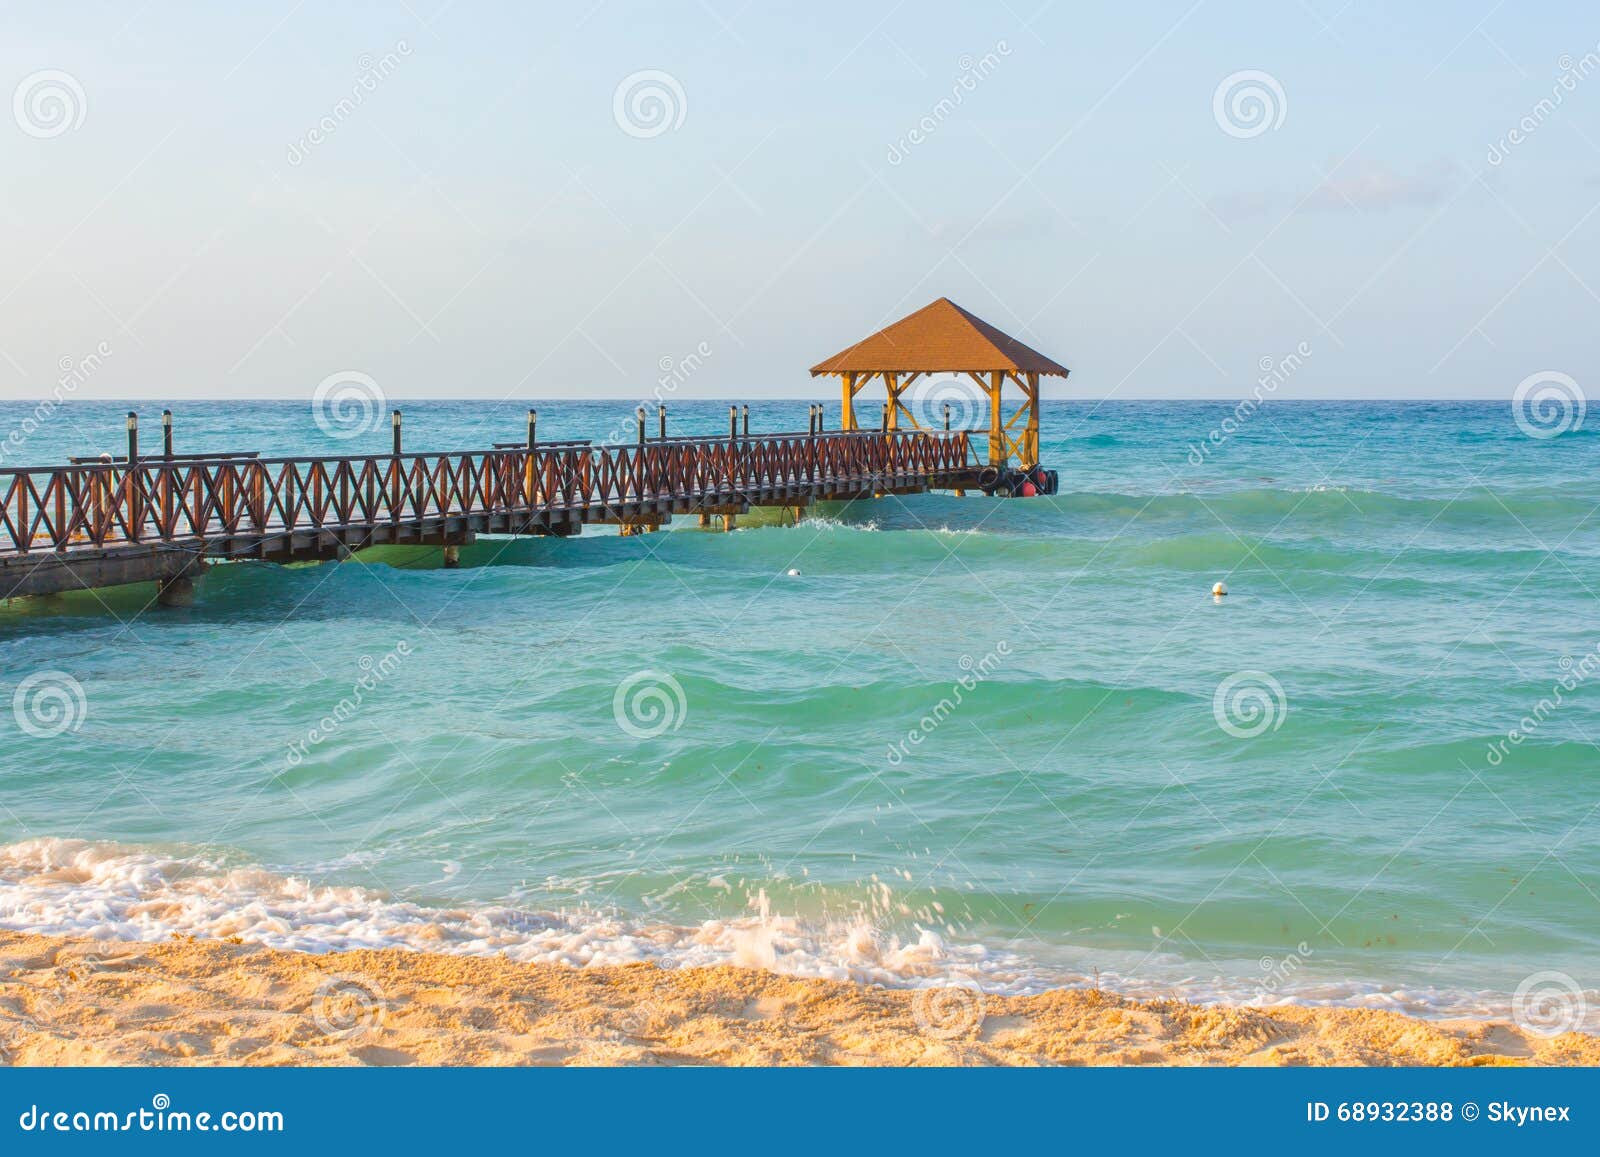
(481, 225)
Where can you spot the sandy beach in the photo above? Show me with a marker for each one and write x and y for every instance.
(77, 1001)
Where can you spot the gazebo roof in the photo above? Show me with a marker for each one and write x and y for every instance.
(939, 338)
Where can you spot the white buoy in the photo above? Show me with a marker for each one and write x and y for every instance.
(794, 572)
(1220, 589)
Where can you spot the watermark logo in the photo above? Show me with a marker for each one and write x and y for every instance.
(371, 72)
(1548, 404)
(928, 399)
(49, 703)
(1571, 72)
(1249, 703)
(971, 72)
(649, 703)
(974, 672)
(949, 1011)
(49, 103)
(674, 373)
(347, 1006)
(1279, 971)
(1574, 674)
(347, 404)
(649, 103)
(1548, 1004)
(74, 372)
(1274, 373)
(1249, 103)
(374, 672)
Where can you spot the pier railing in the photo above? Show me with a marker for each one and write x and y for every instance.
(174, 500)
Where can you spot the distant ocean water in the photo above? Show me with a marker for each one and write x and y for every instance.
(1017, 742)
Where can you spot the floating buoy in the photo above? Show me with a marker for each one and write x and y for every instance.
(794, 572)
(1029, 490)
(1220, 589)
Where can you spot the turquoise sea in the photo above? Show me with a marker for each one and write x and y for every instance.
(1016, 742)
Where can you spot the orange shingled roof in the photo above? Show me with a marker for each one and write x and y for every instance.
(939, 338)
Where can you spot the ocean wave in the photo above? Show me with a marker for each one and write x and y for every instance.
(117, 892)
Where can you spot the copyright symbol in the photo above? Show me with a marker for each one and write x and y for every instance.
(1469, 1112)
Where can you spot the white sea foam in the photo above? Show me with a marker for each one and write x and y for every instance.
(115, 892)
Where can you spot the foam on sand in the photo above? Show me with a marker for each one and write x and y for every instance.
(117, 893)
(71, 1000)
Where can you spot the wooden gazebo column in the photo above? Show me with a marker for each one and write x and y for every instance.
(999, 453)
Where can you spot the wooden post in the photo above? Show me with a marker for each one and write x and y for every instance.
(1030, 437)
(733, 422)
(164, 514)
(395, 467)
(891, 384)
(947, 417)
(847, 412)
(135, 514)
(661, 420)
(639, 415)
(747, 419)
(529, 475)
(883, 424)
(997, 422)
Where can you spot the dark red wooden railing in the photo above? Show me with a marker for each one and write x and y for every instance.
(174, 500)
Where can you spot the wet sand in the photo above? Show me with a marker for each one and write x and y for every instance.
(76, 1001)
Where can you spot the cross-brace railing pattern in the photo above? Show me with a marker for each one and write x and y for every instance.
(181, 500)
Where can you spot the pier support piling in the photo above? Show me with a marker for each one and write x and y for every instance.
(452, 557)
(177, 591)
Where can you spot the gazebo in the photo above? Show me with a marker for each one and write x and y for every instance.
(943, 338)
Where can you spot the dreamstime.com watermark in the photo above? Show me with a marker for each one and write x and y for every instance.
(649, 703)
(373, 72)
(49, 103)
(972, 73)
(648, 103)
(1274, 372)
(674, 373)
(160, 1117)
(67, 977)
(347, 404)
(1548, 404)
(74, 372)
(949, 1011)
(49, 703)
(1548, 1004)
(1277, 971)
(928, 398)
(373, 674)
(1248, 103)
(1573, 71)
(1577, 672)
(976, 671)
(1249, 703)
(347, 1006)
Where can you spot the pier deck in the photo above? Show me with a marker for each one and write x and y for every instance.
(89, 525)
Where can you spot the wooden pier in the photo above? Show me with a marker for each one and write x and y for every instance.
(162, 519)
